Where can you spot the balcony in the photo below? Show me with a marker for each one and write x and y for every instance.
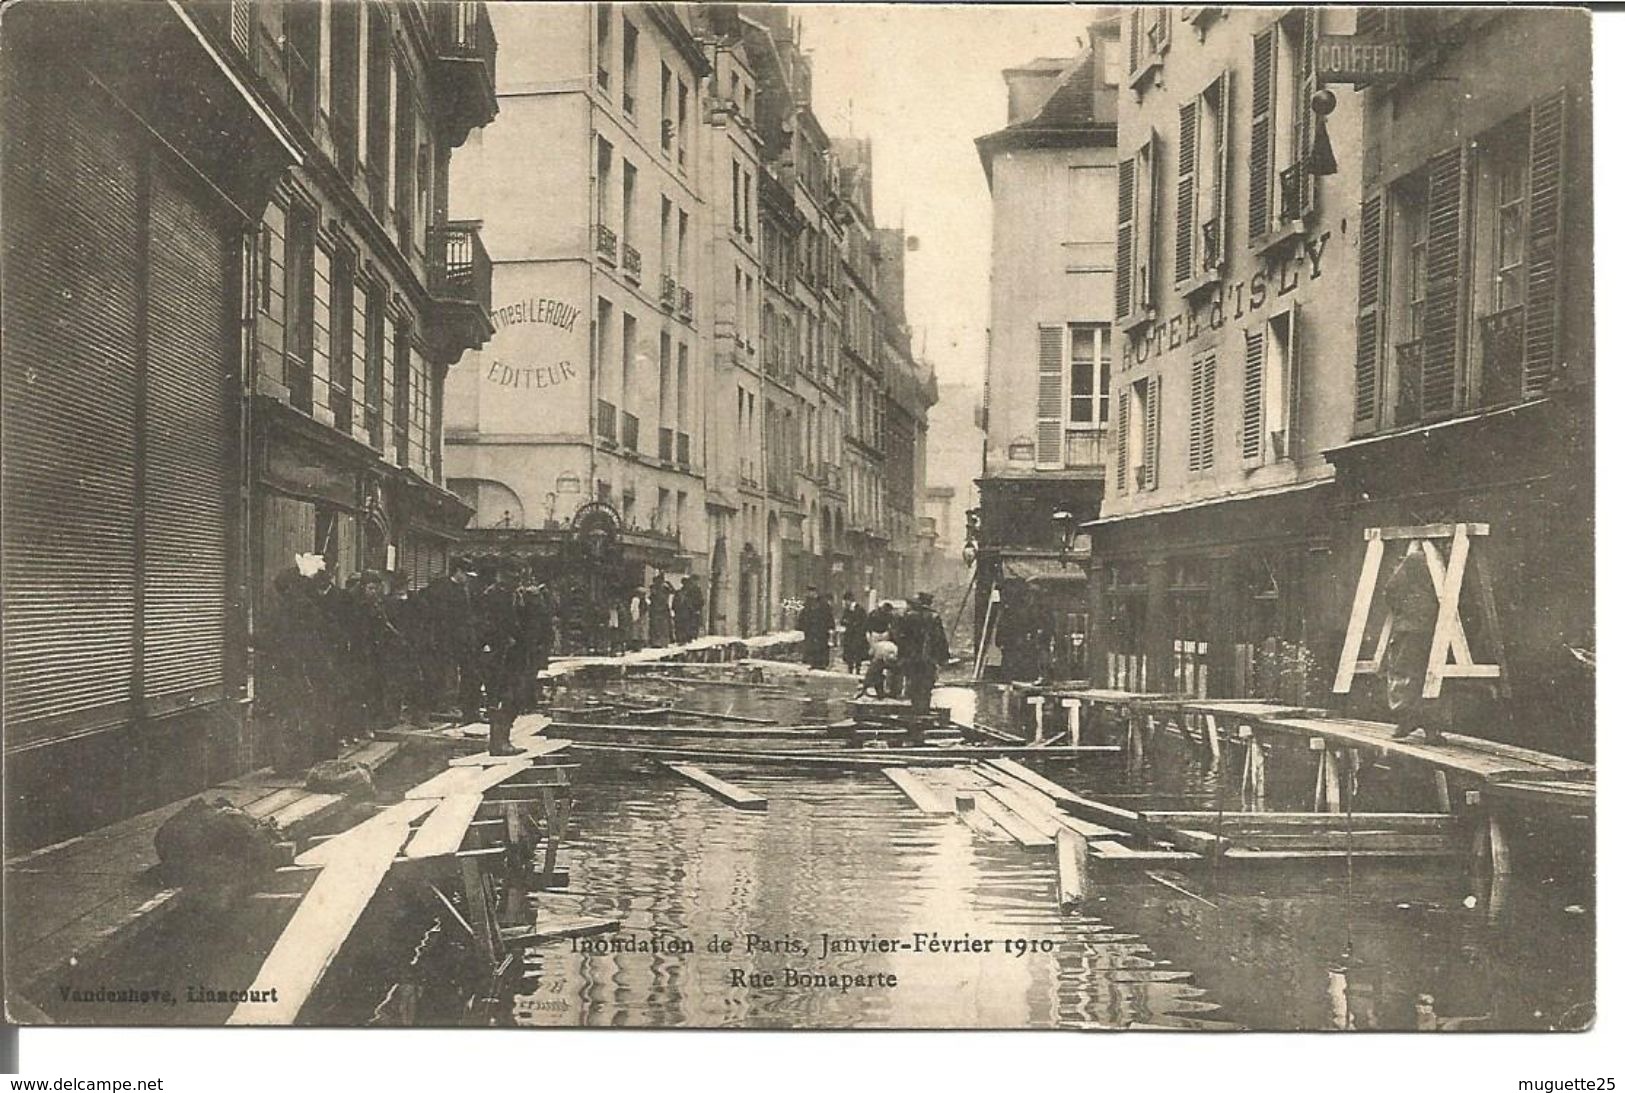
(608, 245)
(629, 431)
(1086, 448)
(1408, 364)
(668, 292)
(682, 451)
(1501, 335)
(632, 262)
(666, 439)
(465, 50)
(1212, 257)
(1297, 193)
(460, 288)
(606, 422)
(685, 305)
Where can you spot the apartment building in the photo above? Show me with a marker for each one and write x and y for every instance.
(588, 401)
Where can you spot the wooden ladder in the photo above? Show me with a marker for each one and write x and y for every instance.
(1449, 658)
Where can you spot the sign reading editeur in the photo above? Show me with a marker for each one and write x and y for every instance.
(1359, 58)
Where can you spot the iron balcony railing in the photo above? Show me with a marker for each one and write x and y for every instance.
(1210, 244)
(606, 421)
(1408, 364)
(666, 437)
(462, 32)
(459, 267)
(608, 244)
(685, 304)
(1295, 184)
(682, 449)
(668, 292)
(632, 261)
(629, 431)
(1501, 335)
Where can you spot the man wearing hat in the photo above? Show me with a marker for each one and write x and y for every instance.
(505, 645)
(922, 647)
(454, 635)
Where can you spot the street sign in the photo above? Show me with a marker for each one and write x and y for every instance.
(1361, 58)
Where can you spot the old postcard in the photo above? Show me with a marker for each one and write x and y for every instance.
(798, 516)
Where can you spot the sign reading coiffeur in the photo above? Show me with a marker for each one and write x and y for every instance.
(1361, 58)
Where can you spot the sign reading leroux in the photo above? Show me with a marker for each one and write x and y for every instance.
(1357, 58)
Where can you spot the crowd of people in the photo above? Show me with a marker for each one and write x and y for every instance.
(903, 649)
(338, 663)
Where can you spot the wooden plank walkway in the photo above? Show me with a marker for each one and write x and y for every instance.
(442, 834)
(725, 791)
(1458, 754)
(925, 798)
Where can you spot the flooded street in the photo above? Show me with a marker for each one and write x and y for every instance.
(726, 915)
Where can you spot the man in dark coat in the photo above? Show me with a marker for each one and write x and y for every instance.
(505, 649)
(287, 656)
(883, 669)
(854, 635)
(815, 622)
(451, 604)
(922, 647)
(541, 611)
(687, 607)
(659, 611)
(1414, 606)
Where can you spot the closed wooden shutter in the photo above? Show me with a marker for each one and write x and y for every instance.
(1051, 394)
(1145, 229)
(185, 487)
(1308, 84)
(1441, 318)
(242, 26)
(1125, 238)
(1153, 430)
(1185, 196)
(1123, 436)
(1193, 440)
(1204, 374)
(1548, 134)
(1135, 34)
(1261, 153)
(1293, 364)
(1252, 399)
(1210, 383)
(69, 380)
(1221, 172)
(1368, 322)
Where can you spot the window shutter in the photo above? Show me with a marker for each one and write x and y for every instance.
(1252, 400)
(1542, 298)
(1294, 384)
(1051, 400)
(1368, 323)
(1194, 440)
(1221, 169)
(1209, 406)
(1441, 319)
(1260, 155)
(1122, 440)
(1146, 235)
(1308, 84)
(1153, 432)
(1134, 35)
(1370, 20)
(1185, 200)
(1125, 237)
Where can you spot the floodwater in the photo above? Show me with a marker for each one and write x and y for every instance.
(843, 906)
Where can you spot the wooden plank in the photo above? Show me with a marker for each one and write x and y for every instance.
(375, 753)
(459, 780)
(318, 929)
(834, 759)
(1424, 531)
(1359, 615)
(925, 798)
(527, 937)
(1033, 778)
(1426, 821)
(282, 798)
(703, 732)
(336, 848)
(1333, 839)
(965, 807)
(443, 832)
(529, 747)
(1047, 822)
(1019, 829)
(310, 809)
(726, 791)
(1071, 867)
(1111, 850)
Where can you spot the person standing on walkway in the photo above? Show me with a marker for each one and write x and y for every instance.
(688, 606)
(451, 602)
(659, 611)
(1414, 607)
(286, 650)
(815, 623)
(637, 609)
(854, 635)
(540, 614)
(505, 652)
(922, 647)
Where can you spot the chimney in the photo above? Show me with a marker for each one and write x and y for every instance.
(1030, 86)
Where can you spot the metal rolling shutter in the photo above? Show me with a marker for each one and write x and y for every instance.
(69, 381)
(184, 571)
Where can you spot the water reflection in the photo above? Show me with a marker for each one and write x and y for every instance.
(751, 896)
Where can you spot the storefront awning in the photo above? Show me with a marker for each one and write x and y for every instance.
(1072, 568)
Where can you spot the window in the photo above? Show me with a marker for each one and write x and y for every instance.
(1204, 374)
(340, 336)
(737, 210)
(1136, 232)
(629, 360)
(1149, 29)
(1408, 294)
(682, 247)
(299, 274)
(1280, 191)
(682, 124)
(1138, 435)
(1199, 204)
(606, 167)
(346, 84)
(603, 329)
(629, 69)
(668, 128)
(1090, 375)
(1111, 61)
(1089, 212)
(405, 159)
(606, 30)
(1269, 391)
(374, 388)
